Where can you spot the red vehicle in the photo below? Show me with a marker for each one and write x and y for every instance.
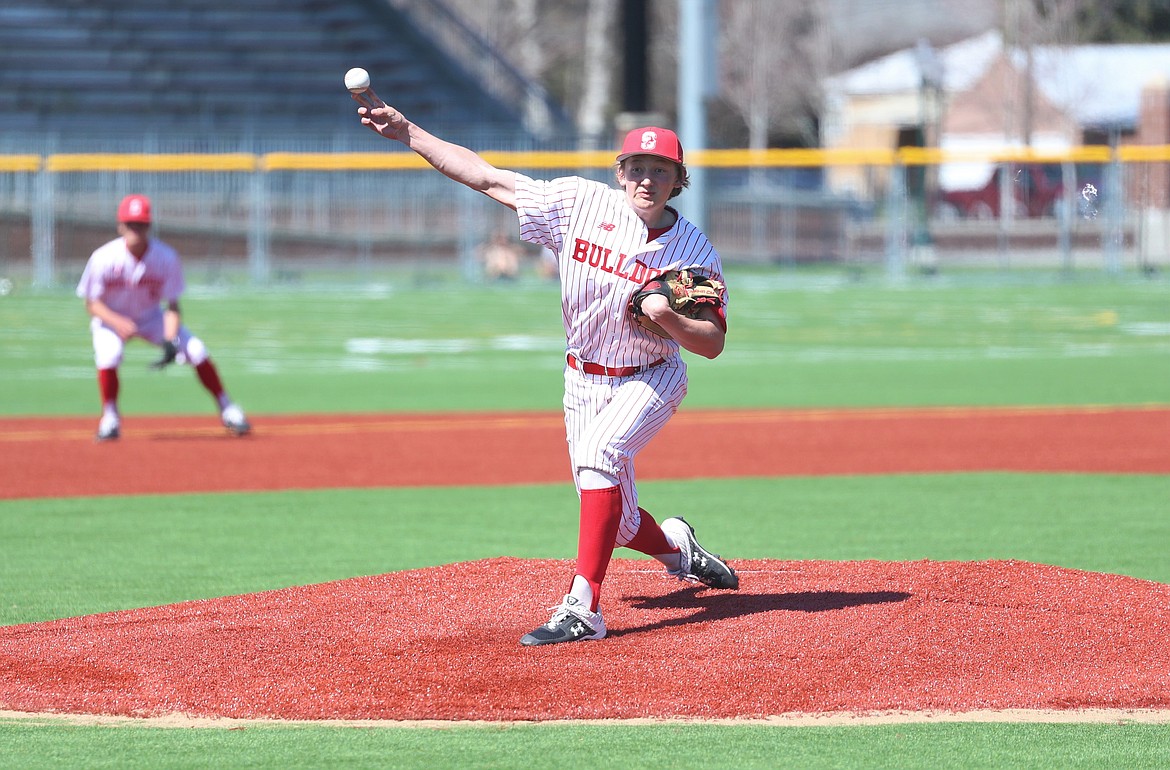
(1038, 190)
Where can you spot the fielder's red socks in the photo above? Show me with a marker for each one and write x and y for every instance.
(209, 376)
(601, 514)
(108, 388)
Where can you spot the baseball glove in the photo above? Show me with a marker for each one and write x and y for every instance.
(169, 354)
(688, 293)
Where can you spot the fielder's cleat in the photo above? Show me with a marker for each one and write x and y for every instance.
(696, 563)
(109, 429)
(234, 420)
(571, 622)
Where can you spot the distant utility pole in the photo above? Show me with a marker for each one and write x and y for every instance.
(698, 31)
(635, 42)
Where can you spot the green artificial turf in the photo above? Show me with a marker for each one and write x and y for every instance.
(794, 342)
(908, 746)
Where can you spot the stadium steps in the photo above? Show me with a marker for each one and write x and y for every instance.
(223, 66)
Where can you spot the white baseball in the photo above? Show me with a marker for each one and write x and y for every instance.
(357, 80)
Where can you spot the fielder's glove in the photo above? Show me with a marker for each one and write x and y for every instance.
(170, 352)
(688, 293)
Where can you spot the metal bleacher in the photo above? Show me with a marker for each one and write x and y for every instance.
(261, 67)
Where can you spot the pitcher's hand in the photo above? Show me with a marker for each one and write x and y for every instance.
(380, 117)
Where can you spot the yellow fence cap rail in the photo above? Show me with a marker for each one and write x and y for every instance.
(156, 163)
(15, 163)
(341, 161)
(570, 160)
(388, 161)
(1143, 153)
(552, 160)
(1086, 154)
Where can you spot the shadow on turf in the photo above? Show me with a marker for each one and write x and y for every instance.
(727, 604)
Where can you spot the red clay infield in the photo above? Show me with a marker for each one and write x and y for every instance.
(441, 643)
(58, 458)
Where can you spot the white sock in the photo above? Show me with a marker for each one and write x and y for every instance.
(581, 591)
(590, 478)
(671, 561)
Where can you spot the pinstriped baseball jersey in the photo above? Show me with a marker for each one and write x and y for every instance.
(603, 257)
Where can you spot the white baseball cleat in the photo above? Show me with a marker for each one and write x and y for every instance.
(571, 621)
(696, 563)
(234, 420)
(109, 428)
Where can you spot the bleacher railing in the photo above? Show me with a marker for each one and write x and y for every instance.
(446, 29)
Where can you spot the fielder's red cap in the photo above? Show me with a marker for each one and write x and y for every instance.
(134, 208)
(652, 140)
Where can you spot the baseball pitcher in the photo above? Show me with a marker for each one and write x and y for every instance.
(638, 283)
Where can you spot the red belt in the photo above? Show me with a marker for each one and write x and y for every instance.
(610, 371)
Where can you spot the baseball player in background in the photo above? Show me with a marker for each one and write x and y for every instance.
(125, 285)
(622, 382)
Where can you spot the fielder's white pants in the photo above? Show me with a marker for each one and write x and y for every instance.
(108, 347)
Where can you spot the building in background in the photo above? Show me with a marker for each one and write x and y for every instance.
(985, 96)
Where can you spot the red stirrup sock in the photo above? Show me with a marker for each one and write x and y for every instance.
(108, 386)
(601, 514)
(209, 376)
(649, 538)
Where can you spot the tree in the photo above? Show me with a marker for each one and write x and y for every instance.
(774, 56)
(1122, 21)
(593, 113)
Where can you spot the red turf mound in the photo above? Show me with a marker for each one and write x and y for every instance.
(441, 643)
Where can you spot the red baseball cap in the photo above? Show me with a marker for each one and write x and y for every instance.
(652, 140)
(134, 208)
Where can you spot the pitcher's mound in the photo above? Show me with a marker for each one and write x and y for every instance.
(442, 643)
